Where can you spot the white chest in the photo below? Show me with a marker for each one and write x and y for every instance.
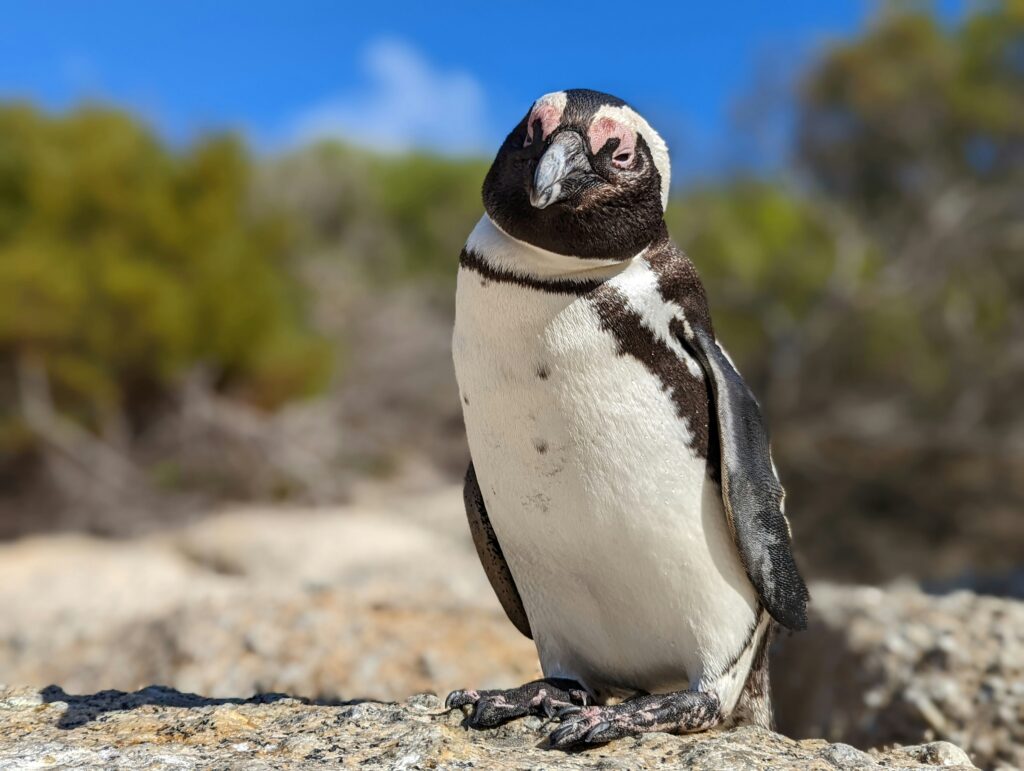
(613, 531)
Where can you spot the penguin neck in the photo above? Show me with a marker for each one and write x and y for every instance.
(508, 254)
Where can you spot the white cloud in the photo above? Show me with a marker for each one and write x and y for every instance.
(407, 102)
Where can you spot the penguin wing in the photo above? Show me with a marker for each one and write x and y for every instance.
(491, 557)
(751, 490)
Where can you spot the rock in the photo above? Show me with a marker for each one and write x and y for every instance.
(845, 756)
(160, 728)
(357, 602)
(936, 754)
(898, 665)
(385, 598)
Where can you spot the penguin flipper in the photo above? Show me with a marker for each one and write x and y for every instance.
(751, 491)
(491, 556)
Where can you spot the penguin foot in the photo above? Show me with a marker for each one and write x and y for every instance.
(680, 712)
(540, 697)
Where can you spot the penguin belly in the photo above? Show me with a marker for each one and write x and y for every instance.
(613, 530)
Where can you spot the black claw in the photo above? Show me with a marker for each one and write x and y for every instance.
(562, 712)
(556, 736)
(585, 731)
(579, 697)
(457, 699)
(602, 732)
(544, 726)
(565, 736)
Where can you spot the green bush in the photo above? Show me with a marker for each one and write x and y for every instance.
(765, 256)
(124, 264)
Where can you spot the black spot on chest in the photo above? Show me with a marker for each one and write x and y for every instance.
(690, 394)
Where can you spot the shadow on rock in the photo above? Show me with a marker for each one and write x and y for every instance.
(84, 708)
(900, 666)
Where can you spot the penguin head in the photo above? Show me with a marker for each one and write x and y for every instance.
(583, 174)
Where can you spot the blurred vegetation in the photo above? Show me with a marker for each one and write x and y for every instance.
(872, 294)
(392, 219)
(123, 264)
(917, 132)
(875, 300)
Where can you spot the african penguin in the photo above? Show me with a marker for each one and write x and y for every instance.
(621, 494)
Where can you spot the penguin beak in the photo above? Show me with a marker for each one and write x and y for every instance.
(563, 164)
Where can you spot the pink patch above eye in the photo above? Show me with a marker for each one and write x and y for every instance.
(603, 130)
(549, 116)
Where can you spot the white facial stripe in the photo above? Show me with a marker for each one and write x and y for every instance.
(603, 130)
(659, 150)
(548, 110)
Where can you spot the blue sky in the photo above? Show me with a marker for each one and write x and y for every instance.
(451, 77)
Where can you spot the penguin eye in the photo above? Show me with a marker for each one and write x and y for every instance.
(548, 115)
(605, 130)
(531, 131)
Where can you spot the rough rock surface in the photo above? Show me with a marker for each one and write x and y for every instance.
(362, 603)
(159, 728)
(879, 666)
(387, 598)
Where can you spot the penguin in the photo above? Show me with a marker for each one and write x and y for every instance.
(621, 493)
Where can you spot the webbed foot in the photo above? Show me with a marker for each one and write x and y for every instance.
(680, 712)
(540, 697)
